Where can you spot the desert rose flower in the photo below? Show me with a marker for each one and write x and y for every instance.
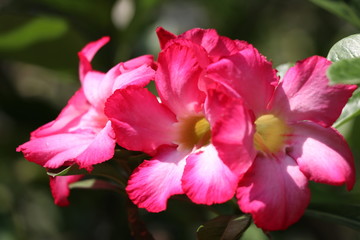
(293, 137)
(82, 134)
(60, 189)
(177, 128)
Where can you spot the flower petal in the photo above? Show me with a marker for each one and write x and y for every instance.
(140, 122)
(216, 46)
(60, 188)
(275, 192)
(99, 150)
(91, 83)
(247, 74)
(87, 54)
(68, 118)
(54, 151)
(206, 179)
(322, 154)
(155, 181)
(305, 93)
(180, 67)
(164, 36)
(232, 130)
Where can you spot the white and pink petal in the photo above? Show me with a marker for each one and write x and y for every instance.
(156, 180)
(306, 94)
(275, 192)
(207, 179)
(322, 154)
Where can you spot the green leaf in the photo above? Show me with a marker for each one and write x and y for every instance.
(348, 215)
(348, 11)
(224, 228)
(111, 170)
(346, 71)
(94, 184)
(35, 30)
(66, 171)
(350, 111)
(346, 48)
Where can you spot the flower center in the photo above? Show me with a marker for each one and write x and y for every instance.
(193, 132)
(271, 133)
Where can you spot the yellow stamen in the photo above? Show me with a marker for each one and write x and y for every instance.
(193, 132)
(271, 133)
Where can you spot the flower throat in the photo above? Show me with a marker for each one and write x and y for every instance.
(271, 133)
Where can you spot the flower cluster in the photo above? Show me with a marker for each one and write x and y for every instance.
(222, 124)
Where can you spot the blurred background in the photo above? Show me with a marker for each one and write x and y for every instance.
(39, 41)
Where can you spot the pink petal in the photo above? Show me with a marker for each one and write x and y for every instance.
(275, 192)
(232, 131)
(216, 46)
(305, 93)
(155, 181)
(60, 188)
(164, 36)
(68, 118)
(121, 76)
(247, 74)
(322, 154)
(99, 150)
(56, 150)
(87, 54)
(180, 67)
(91, 84)
(140, 122)
(137, 62)
(206, 179)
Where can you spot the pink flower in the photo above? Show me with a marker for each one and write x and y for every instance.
(60, 188)
(293, 136)
(177, 128)
(82, 134)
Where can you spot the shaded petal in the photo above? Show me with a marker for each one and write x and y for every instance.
(54, 150)
(87, 54)
(305, 93)
(60, 190)
(275, 192)
(155, 181)
(121, 76)
(140, 122)
(206, 179)
(180, 67)
(164, 36)
(322, 154)
(91, 84)
(232, 130)
(68, 118)
(247, 74)
(99, 150)
(216, 46)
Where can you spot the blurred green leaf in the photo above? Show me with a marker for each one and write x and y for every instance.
(283, 68)
(109, 170)
(348, 215)
(36, 30)
(346, 71)
(346, 48)
(94, 184)
(348, 10)
(350, 111)
(224, 228)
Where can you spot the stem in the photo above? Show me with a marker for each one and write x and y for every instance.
(137, 226)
